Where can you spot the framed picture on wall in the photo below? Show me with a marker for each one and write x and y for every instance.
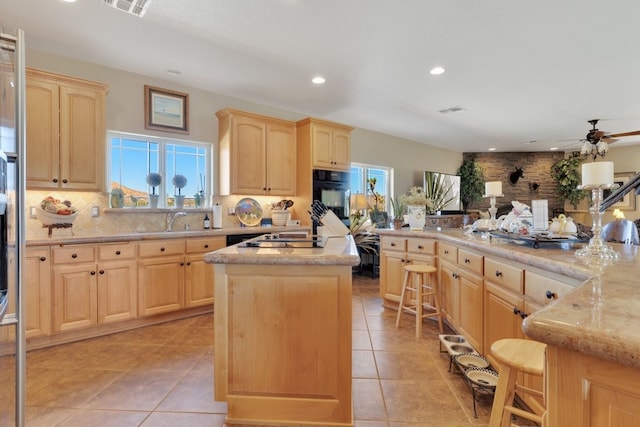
(166, 110)
(628, 202)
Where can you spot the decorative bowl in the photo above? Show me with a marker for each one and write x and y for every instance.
(48, 218)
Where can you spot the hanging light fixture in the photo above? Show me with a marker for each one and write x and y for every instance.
(594, 149)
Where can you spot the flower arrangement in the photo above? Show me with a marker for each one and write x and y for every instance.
(154, 180)
(416, 196)
(179, 181)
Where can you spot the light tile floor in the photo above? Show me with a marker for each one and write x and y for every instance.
(163, 376)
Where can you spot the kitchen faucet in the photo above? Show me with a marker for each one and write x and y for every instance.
(171, 217)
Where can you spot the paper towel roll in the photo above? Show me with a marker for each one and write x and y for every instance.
(217, 216)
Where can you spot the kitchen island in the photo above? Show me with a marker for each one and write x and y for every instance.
(283, 333)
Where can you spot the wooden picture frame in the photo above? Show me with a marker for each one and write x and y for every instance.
(628, 202)
(166, 110)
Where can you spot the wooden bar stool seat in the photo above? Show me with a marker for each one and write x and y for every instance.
(516, 355)
(421, 280)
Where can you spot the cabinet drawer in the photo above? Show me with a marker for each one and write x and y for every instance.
(503, 274)
(161, 248)
(471, 261)
(543, 289)
(390, 243)
(205, 244)
(447, 252)
(421, 246)
(72, 254)
(116, 251)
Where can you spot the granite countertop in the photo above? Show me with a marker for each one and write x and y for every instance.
(127, 237)
(337, 251)
(598, 318)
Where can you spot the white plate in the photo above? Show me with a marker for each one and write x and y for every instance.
(472, 361)
(482, 377)
(249, 212)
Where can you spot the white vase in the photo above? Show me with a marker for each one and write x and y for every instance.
(153, 201)
(417, 216)
(279, 218)
(179, 202)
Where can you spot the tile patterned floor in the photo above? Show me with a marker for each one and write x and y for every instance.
(162, 376)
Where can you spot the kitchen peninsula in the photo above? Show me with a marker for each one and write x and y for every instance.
(283, 333)
(586, 312)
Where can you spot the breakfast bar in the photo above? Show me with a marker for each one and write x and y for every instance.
(283, 333)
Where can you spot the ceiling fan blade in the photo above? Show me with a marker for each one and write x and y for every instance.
(609, 140)
(618, 135)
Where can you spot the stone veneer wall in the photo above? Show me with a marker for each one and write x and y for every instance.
(536, 167)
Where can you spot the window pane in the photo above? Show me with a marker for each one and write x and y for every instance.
(190, 162)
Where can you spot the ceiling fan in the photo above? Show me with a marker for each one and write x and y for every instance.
(597, 142)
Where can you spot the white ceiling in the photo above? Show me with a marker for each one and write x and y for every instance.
(521, 70)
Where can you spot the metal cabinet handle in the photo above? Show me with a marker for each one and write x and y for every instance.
(93, 273)
(498, 273)
(101, 271)
(181, 264)
(420, 247)
(393, 244)
(43, 258)
(65, 181)
(467, 260)
(162, 249)
(551, 295)
(516, 311)
(117, 252)
(55, 180)
(74, 256)
(446, 252)
(206, 246)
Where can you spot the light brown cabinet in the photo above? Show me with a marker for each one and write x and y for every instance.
(37, 287)
(330, 143)
(161, 276)
(395, 253)
(199, 275)
(90, 289)
(257, 154)
(65, 132)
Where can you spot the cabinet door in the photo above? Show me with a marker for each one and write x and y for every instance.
(281, 160)
(82, 138)
(198, 282)
(117, 291)
(43, 129)
(500, 317)
(322, 146)
(37, 287)
(160, 285)
(341, 149)
(391, 275)
(248, 154)
(449, 293)
(74, 297)
(471, 309)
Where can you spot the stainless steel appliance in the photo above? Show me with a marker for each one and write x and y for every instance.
(4, 226)
(333, 190)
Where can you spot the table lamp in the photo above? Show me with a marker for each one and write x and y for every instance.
(493, 189)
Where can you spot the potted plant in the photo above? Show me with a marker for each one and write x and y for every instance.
(154, 180)
(418, 204)
(567, 178)
(179, 181)
(398, 206)
(471, 183)
(117, 198)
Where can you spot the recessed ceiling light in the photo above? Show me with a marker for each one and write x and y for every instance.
(68, 1)
(553, 148)
(492, 149)
(318, 80)
(174, 72)
(436, 71)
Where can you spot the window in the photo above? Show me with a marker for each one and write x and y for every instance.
(133, 157)
(360, 176)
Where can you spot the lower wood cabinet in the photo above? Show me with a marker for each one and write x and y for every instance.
(37, 287)
(91, 287)
(198, 274)
(161, 276)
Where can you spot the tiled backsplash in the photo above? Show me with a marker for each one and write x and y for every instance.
(125, 221)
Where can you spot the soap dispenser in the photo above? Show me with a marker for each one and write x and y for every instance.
(207, 223)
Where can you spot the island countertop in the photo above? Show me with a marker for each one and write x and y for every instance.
(598, 318)
(337, 251)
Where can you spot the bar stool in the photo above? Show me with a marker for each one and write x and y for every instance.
(516, 355)
(420, 278)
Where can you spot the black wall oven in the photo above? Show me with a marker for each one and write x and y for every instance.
(332, 188)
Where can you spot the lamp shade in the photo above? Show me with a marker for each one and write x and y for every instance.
(359, 201)
(493, 188)
(597, 173)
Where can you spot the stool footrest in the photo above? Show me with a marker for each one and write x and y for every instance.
(524, 414)
(531, 391)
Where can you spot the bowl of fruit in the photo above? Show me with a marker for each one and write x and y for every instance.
(53, 211)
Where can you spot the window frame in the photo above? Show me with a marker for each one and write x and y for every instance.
(387, 193)
(163, 142)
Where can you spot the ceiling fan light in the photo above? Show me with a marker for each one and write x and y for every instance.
(586, 148)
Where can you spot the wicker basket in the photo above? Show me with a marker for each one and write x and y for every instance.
(51, 219)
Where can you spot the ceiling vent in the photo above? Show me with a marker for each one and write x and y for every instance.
(134, 7)
(451, 110)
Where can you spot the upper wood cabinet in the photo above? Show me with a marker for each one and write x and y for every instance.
(65, 132)
(330, 143)
(257, 154)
